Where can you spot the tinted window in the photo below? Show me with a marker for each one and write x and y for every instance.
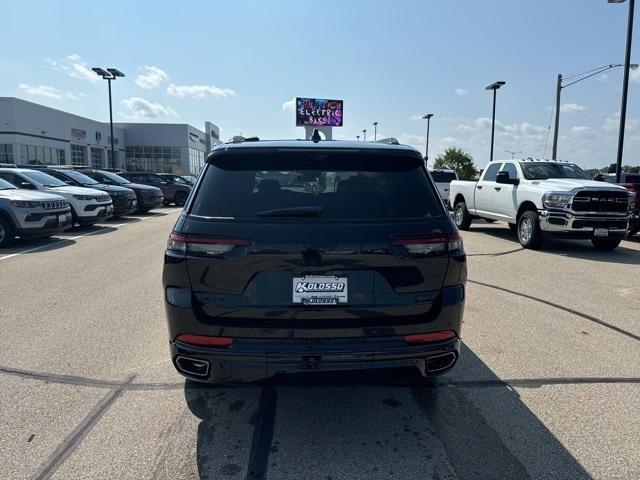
(110, 178)
(543, 171)
(492, 170)
(335, 185)
(81, 178)
(44, 179)
(443, 177)
(4, 185)
(510, 168)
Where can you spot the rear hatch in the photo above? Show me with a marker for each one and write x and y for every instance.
(312, 238)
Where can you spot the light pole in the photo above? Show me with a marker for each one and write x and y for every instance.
(375, 131)
(364, 135)
(108, 75)
(575, 79)
(427, 117)
(625, 86)
(494, 86)
(513, 154)
(358, 137)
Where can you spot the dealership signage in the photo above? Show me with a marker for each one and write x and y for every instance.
(318, 112)
(78, 134)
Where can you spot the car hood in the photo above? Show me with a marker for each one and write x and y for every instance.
(568, 184)
(109, 188)
(141, 187)
(75, 191)
(20, 194)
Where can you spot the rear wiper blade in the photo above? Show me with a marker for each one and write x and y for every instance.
(292, 212)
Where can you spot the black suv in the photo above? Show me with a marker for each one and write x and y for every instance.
(294, 256)
(148, 197)
(173, 192)
(124, 199)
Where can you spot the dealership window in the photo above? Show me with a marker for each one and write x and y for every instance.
(6, 153)
(78, 155)
(97, 158)
(37, 155)
(153, 158)
(196, 161)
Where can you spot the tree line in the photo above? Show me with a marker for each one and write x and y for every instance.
(456, 159)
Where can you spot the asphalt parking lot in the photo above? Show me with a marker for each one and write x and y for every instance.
(547, 386)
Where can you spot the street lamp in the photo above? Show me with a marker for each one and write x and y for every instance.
(427, 117)
(625, 86)
(364, 135)
(494, 86)
(513, 154)
(575, 79)
(375, 131)
(358, 137)
(108, 75)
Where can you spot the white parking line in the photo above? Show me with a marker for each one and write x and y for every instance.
(58, 240)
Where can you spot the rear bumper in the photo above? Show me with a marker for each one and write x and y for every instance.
(251, 360)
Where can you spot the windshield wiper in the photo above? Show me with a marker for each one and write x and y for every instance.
(292, 212)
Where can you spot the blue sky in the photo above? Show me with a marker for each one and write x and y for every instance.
(238, 63)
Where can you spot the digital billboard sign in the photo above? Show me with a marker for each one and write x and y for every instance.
(319, 112)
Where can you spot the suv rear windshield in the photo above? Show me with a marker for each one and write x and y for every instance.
(443, 177)
(330, 185)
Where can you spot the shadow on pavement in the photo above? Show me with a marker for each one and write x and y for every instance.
(467, 424)
(582, 249)
(120, 220)
(24, 246)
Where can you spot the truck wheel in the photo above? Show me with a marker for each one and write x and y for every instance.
(529, 231)
(461, 216)
(606, 243)
(7, 235)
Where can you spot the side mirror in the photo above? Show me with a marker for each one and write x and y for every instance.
(503, 177)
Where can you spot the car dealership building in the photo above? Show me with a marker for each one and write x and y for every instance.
(34, 134)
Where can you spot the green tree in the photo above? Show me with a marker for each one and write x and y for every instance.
(612, 168)
(455, 159)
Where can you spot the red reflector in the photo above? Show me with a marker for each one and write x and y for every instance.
(429, 337)
(421, 240)
(209, 240)
(205, 340)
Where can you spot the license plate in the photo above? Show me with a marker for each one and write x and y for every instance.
(320, 290)
(601, 232)
(62, 218)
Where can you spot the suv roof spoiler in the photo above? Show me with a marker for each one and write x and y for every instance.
(389, 141)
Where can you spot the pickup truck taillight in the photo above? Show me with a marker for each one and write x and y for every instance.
(204, 245)
(430, 245)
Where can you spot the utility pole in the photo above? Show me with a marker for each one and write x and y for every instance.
(554, 151)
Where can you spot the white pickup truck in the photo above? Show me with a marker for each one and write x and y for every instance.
(538, 197)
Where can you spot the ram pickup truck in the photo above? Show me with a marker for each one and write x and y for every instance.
(630, 181)
(538, 198)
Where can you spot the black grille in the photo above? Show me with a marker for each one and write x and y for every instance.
(54, 205)
(601, 201)
(617, 224)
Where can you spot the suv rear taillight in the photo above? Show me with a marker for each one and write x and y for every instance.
(204, 245)
(430, 245)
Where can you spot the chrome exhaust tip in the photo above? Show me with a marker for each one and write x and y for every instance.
(192, 366)
(441, 362)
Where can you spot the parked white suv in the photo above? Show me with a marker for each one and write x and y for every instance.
(443, 179)
(545, 197)
(88, 206)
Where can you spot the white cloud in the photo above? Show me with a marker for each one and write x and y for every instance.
(199, 91)
(48, 91)
(289, 105)
(151, 77)
(634, 75)
(583, 132)
(461, 91)
(75, 66)
(140, 108)
(572, 108)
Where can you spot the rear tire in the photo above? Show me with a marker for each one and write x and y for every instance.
(7, 234)
(180, 199)
(461, 216)
(529, 231)
(606, 244)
